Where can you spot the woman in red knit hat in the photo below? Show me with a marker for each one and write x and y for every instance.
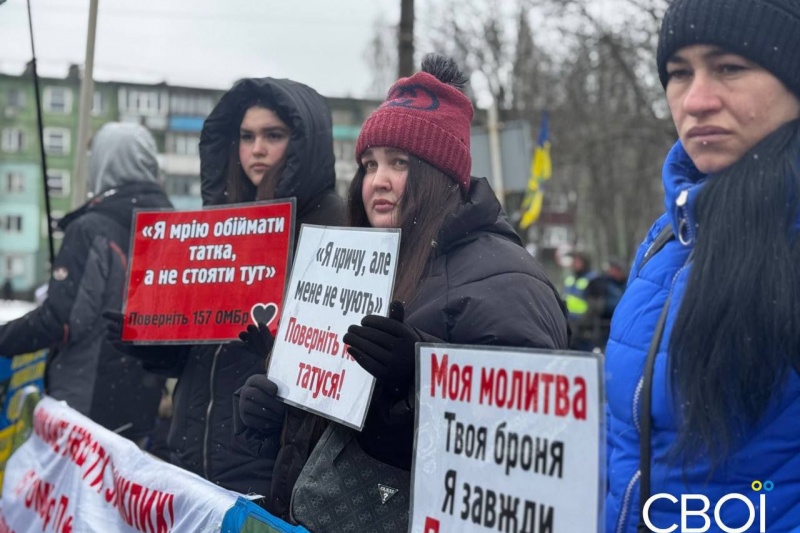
(463, 277)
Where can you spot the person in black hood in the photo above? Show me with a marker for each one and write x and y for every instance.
(88, 276)
(253, 121)
(266, 139)
(463, 276)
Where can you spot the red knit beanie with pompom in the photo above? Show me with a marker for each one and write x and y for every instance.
(426, 118)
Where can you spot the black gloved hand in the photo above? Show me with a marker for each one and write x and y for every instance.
(156, 358)
(384, 347)
(258, 404)
(258, 340)
(114, 323)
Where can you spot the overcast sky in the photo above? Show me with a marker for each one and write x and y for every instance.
(205, 43)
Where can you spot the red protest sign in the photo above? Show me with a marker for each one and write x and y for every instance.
(204, 275)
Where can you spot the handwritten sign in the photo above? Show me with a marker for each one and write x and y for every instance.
(202, 276)
(340, 275)
(507, 439)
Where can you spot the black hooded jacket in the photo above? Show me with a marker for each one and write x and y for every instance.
(481, 288)
(201, 438)
(88, 278)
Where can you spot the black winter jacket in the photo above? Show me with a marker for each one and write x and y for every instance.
(88, 278)
(482, 288)
(201, 438)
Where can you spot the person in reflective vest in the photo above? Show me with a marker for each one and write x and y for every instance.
(575, 286)
(591, 298)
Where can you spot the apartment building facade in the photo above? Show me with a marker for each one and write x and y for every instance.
(174, 114)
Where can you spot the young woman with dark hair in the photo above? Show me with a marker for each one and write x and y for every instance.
(717, 307)
(463, 276)
(266, 139)
(256, 158)
(415, 217)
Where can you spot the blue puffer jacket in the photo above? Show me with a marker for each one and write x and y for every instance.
(771, 453)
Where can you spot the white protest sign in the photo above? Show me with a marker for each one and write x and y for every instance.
(339, 276)
(508, 439)
(74, 475)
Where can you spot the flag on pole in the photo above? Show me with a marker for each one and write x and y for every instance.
(541, 169)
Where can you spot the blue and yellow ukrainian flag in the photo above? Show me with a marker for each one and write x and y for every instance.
(541, 169)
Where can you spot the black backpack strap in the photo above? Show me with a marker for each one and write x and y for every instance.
(664, 236)
(645, 415)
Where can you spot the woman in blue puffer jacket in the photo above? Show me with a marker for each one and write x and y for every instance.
(715, 288)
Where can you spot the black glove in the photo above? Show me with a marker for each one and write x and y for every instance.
(114, 330)
(257, 340)
(156, 358)
(384, 347)
(258, 405)
(114, 325)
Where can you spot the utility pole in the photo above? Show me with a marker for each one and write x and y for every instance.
(405, 40)
(493, 128)
(80, 173)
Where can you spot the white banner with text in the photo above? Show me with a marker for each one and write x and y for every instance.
(74, 475)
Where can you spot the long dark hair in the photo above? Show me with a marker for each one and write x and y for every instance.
(737, 333)
(429, 198)
(239, 188)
